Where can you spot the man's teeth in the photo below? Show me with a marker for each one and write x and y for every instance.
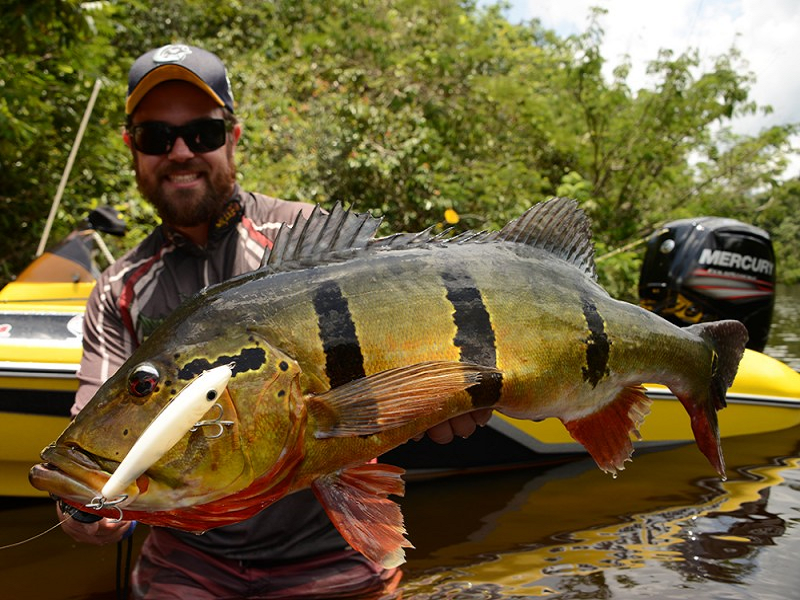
(183, 178)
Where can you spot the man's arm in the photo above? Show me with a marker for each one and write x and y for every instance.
(106, 343)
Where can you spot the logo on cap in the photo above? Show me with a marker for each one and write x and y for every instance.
(172, 53)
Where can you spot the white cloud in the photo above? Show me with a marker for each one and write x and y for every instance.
(766, 33)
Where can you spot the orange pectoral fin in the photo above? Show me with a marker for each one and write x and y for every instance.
(392, 398)
(606, 434)
(356, 502)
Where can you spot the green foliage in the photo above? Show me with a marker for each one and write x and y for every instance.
(52, 53)
(409, 108)
(778, 211)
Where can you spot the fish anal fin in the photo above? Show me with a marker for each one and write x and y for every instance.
(606, 434)
(356, 500)
(392, 398)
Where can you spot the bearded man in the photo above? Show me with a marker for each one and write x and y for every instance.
(182, 133)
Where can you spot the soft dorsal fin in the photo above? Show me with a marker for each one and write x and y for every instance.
(323, 237)
(558, 226)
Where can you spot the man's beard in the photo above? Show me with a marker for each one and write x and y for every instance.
(188, 208)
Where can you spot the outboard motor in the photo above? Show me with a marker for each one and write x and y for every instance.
(708, 269)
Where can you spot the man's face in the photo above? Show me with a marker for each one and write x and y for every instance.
(187, 188)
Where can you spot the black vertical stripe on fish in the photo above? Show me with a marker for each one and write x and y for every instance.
(344, 361)
(474, 336)
(598, 346)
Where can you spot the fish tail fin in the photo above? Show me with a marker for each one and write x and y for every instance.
(727, 340)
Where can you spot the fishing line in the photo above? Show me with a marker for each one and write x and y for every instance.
(38, 535)
(123, 578)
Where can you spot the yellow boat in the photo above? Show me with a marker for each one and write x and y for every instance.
(40, 349)
(41, 317)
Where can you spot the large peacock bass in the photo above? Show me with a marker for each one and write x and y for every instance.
(343, 346)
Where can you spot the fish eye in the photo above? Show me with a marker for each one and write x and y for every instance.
(143, 380)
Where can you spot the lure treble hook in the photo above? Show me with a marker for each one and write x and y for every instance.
(215, 422)
(99, 503)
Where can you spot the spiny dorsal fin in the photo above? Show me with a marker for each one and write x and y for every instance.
(558, 226)
(322, 237)
(404, 240)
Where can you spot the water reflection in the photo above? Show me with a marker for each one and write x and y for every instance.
(735, 537)
(784, 334)
(575, 533)
(666, 528)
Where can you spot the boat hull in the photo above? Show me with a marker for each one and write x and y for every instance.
(40, 349)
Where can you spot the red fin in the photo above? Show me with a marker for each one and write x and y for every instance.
(392, 398)
(728, 340)
(606, 434)
(356, 502)
(706, 433)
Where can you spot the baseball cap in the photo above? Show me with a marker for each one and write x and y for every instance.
(179, 61)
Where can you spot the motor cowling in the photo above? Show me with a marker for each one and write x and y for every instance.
(708, 269)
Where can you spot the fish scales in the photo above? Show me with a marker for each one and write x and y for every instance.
(359, 330)
(343, 346)
(537, 311)
(386, 318)
(384, 327)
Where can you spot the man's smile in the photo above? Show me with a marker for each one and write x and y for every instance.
(184, 179)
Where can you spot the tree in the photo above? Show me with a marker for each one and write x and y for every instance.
(51, 53)
(428, 112)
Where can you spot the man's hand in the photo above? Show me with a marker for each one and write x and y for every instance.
(462, 426)
(102, 532)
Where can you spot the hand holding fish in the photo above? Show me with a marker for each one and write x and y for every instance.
(461, 426)
(100, 533)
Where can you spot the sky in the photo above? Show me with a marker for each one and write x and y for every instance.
(766, 32)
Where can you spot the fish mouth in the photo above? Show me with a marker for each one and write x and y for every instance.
(71, 473)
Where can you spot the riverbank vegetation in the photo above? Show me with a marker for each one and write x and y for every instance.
(428, 112)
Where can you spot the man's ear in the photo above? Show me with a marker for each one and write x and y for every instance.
(236, 132)
(126, 137)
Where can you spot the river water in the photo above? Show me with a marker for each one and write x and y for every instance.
(784, 335)
(666, 528)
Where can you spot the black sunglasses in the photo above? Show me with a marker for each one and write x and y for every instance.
(155, 137)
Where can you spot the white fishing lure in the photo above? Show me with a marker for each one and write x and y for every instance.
(172, 423)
